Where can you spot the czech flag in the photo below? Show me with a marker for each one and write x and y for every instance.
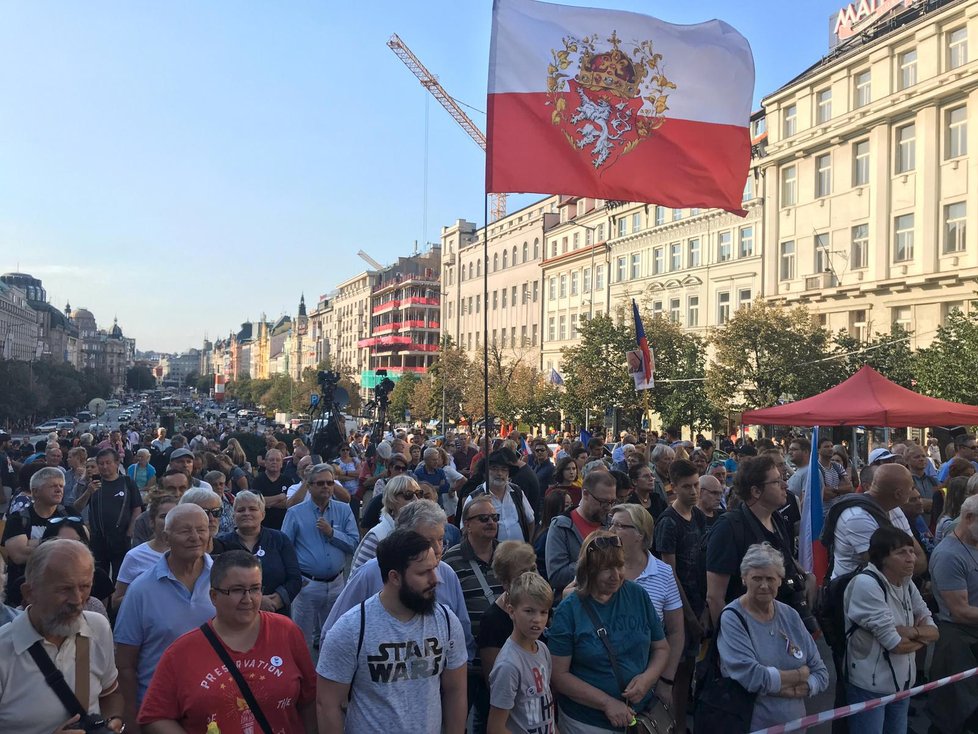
(643, 343)
(617, 105)
(811, 553)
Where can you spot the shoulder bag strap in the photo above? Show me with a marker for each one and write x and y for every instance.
(592, 614)
(249, 697)
(54, 678)
(486, 589)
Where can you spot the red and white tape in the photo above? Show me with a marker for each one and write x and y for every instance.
(855, 708)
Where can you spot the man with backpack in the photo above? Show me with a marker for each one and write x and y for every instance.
(516, 519)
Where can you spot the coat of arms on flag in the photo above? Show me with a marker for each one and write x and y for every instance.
(622, 98)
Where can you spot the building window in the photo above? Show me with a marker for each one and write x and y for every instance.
(694, 211)
(533, 335)
(512, 299)
(674, 310)
(478, 268)
(524, 341)
(553, 248)
(553, 287)
(748, 189)
(536, 290)
(600, 233)
(599, 278)
(859, 249)
(636, 266)
(619, 270)
(526, 251)
(907, 69)
(675, 257)
(745, 297)
(903, 238)
(746, 241)
(636, 222)
(495, 262)
(576, 240)
(536, 249)
(902, 316)
(823, 106)
(693, 311)
(658, 261)
(563, 245)
(588, 237)
(495, 300)
(860, 324)
(587, 280)
(563, 328)
(862, 95)
(724, 247)
(551, 329)
(504, 296)
(563, 285)
(660, 216)
(525, 294)
(723, 307)
(505, 259)
(790, 121)
(860, 163)
(622, 226)
(677, 214)
(823, 175)
(821, 253)
(956, 133)
(789, 186)
(954, 226)
(575, 283)
(787, 264)
(693, 252)
(906, 148)
(573, 326)
(656, 309)
(957, 48)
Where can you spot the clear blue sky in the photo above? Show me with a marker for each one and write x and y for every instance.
(187, 166)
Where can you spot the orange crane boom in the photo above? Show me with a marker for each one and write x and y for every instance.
(430, 82)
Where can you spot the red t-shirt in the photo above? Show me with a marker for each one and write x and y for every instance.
(192, 687)
(584, 527)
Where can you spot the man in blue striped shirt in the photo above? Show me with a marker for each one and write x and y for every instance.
(324, 533)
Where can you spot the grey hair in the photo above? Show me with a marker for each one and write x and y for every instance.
(319, 469)
(179, 511)
(143, 452)
(972, 486)
(40, 558)
(199, 495)
(592, 465)
(431, 452)
(395, 485)
(762, 555)
(212, 476)
(660, 450)
(970, 505)
(420, 512)
(246, 495)
(42, 476)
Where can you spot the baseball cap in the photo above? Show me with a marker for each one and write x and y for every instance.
(880, 454)
(180, 453)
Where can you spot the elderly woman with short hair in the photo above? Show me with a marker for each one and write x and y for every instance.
(398, 491)
(281, 578)
(590, 696)
(763, 644)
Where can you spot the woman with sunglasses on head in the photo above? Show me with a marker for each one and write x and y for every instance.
(268, 649)
(145, 555)
(591, 698)
(210, 502)
(398, 492)
(281, 579)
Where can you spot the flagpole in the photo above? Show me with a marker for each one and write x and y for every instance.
(485, 327)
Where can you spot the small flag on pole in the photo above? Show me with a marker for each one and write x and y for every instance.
(811, 553)
(641, 365)
(555, 378)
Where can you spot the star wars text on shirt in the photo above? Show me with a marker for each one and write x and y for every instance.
(406, 660)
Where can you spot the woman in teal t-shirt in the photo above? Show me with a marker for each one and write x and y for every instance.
(589, 696)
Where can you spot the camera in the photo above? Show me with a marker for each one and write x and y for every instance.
(794, 593)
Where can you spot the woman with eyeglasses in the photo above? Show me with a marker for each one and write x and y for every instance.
(210, 503)
(191, 690)
(145, 555)
(589, 696)
(281, 578)
(398, 492)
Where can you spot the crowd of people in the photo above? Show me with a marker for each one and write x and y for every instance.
(174, 584)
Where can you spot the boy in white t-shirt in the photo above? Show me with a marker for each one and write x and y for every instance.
(519, 684)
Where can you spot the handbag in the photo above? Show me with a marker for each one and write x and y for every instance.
(658, 718)
(721, 704)
(249, 697)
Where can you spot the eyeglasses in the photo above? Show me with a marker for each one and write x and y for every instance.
(398, 467)
(214, 513)
(604, 541)
(56, 520)
(238, 593)
(601, 502)
(484, 518)
(323, 483)
(419, 495)
(615, 525)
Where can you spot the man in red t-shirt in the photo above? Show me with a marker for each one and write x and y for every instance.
(567, 532)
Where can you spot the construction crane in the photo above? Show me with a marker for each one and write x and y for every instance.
(369, 260)
(497, 206)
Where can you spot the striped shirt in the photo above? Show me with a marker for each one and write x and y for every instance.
(660, 584)
(476, 603)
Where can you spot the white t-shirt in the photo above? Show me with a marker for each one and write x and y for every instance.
(852, 533)
(396, 678)
(136, 561)
(509, 520)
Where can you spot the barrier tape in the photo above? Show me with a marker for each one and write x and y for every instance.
(855, 708)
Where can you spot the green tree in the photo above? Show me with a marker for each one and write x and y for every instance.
(889, 354)
(767, 353)
(444, 384)
(205, 383)
(946, 368)
(140, 377)
(402, 397)
(191, 379)
(278, 394)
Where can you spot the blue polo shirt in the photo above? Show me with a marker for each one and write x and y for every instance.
(318, 555)
(156, 610)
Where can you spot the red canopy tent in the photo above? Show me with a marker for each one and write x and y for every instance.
(865, 399)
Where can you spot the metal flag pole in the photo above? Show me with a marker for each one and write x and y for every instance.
(485, 329)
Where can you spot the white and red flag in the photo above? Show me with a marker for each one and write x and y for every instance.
(617, 105)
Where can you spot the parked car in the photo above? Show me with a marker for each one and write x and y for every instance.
(46, 427)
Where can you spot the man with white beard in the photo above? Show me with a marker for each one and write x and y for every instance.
(53, 630)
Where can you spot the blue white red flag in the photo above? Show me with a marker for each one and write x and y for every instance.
(811, 553)
(642, 373)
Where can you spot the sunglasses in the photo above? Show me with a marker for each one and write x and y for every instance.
(605, 541)
(484, 518)
(215, 513)
(411, 495)
(323, 483)
(70, 518)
